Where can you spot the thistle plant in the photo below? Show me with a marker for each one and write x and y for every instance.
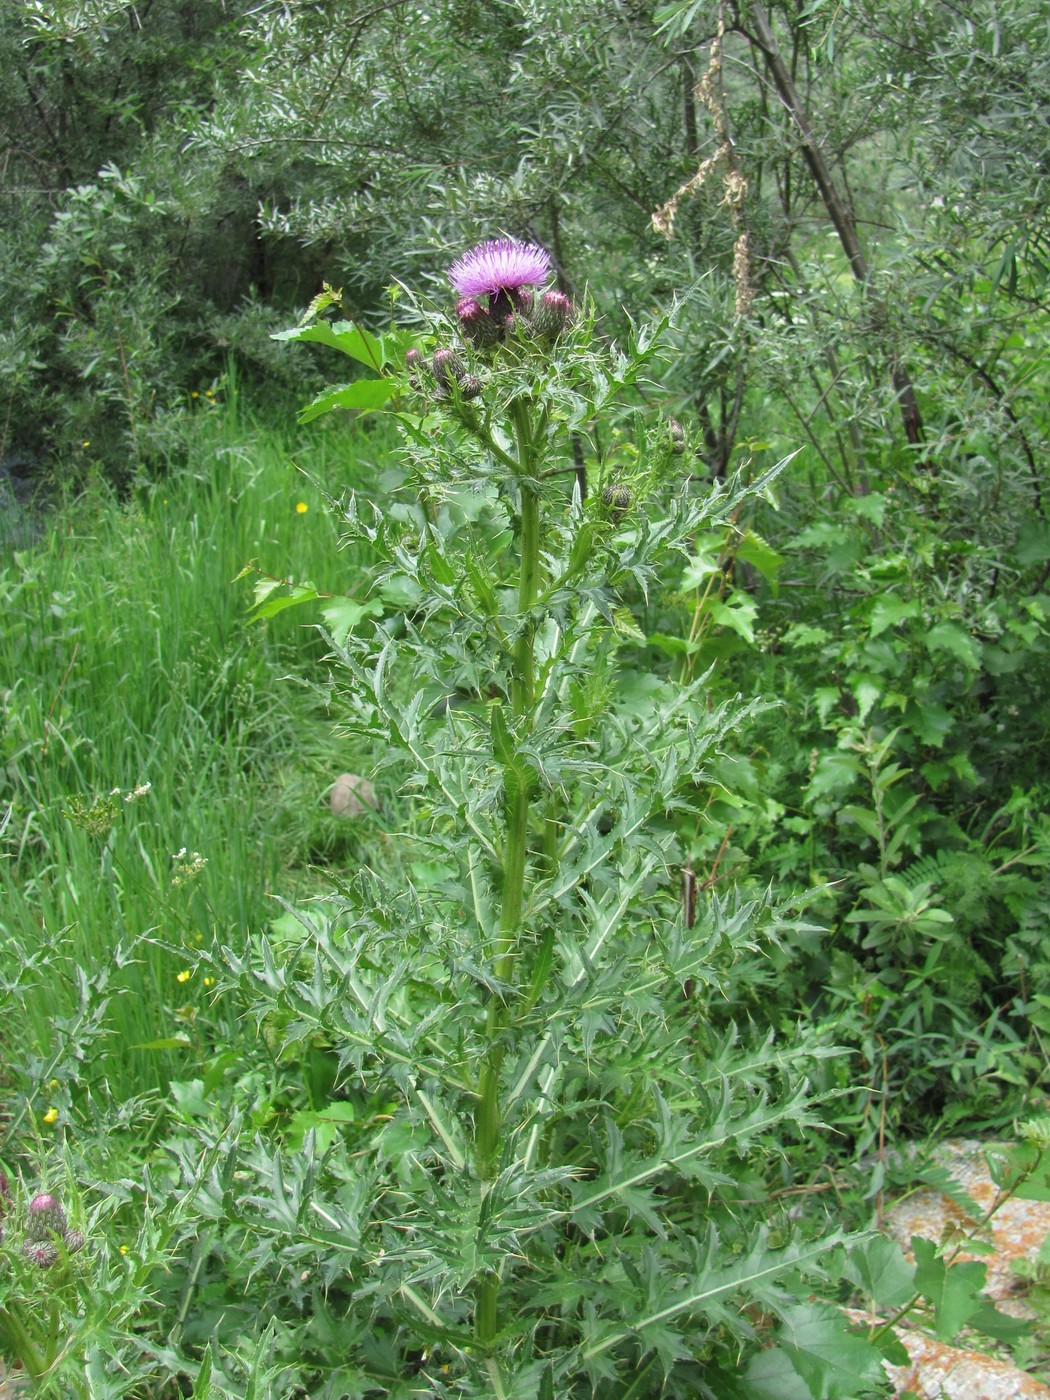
(565, 1199)
(35, 1240)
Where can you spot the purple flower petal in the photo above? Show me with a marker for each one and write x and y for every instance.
(499, 266)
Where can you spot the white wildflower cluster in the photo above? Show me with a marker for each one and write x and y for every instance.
(188, 865)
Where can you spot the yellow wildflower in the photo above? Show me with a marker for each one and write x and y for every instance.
(51, 1116)
(301, 507)
(184, 975)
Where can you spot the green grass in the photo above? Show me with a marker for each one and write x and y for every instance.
(128, 658)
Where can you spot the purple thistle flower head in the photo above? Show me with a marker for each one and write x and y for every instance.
(45, 1217)
(497, 269)
(499, 265)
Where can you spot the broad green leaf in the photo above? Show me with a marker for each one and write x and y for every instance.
(826, 698)
(340, 335)
(878, 1267)
(716, 646)
(400, 591)
(326, 1124)
(263, 587)
(624, 625)
(835, 774)
(821, 534)
(871, 507)
(955, 766)
(326, 297)
(705, 562)
(832, 1361)
(754, 550)
(190, 1097)
(865, 690)
(954, 1293)
(930, 723)
(300, 593)
(738, 613)
(801, 634)
(1003, 661)
(992, 1323)
(673, 646)
(770, 1375)
(342, 615)
(949, 637)
(864, 818)
(363, 395)
(886, 612)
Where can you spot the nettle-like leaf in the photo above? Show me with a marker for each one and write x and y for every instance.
(351, 339)
(815, 1348)
(953, 1291)
(362, 395)
(879, 1269)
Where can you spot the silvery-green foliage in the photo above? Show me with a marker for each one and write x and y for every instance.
(596, 1236)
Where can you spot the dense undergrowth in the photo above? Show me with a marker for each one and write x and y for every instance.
(298, 1104)
(880, 814)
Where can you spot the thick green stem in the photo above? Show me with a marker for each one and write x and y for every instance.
(22, 1344)
(523, 679)
(488, 1121)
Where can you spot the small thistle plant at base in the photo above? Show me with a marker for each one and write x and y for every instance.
(44, 1239)
(576, 1112)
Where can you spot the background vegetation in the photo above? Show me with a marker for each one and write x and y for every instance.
(855, 264)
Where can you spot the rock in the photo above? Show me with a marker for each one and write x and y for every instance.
(13, 1383)
(936, 1370)
(351, 795)
(941, 1372)
(1016, 1231)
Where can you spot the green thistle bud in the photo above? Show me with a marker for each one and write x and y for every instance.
(618, 498)
(476, 325)
(677, 435)
(551, 315)
(416, 366)
(73, 1240)
(447, 367)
